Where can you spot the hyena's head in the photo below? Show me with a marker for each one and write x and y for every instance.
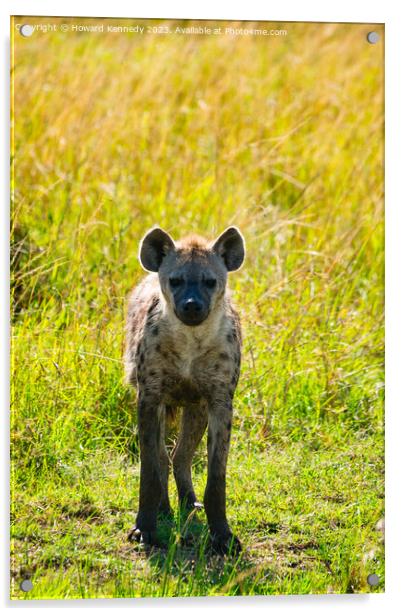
(193, 271)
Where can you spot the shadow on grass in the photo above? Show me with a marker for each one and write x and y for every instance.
(184, 558)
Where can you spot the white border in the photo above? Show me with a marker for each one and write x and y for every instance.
(285, 10)
(383, 11)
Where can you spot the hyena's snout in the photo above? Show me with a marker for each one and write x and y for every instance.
(192, 309)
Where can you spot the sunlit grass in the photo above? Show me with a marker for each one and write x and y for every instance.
(283, 138)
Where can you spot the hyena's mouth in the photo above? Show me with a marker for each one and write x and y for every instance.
(191, 320)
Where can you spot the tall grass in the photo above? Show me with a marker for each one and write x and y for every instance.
(282, 137)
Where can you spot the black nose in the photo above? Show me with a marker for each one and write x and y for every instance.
(192, 307)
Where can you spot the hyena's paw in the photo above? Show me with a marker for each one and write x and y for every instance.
(229, 544)
(188, 505)
(142, 536)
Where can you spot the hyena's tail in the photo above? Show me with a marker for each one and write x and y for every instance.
(171, 415)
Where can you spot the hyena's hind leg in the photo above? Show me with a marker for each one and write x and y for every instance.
(193, 426)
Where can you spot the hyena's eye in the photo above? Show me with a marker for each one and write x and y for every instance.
(175, 282)
(210, 283)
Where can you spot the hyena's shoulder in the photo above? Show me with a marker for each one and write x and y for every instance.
(143, 306)
(142, 296)
(234, 333)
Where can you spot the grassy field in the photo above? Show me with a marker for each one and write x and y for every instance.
(282, 136)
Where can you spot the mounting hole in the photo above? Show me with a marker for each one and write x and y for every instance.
(26, 30)
(373, 37)
(373, 579)
(26, 585)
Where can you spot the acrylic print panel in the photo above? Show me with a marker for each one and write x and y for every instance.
(120, 125)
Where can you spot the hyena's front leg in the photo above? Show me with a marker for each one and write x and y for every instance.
(164, 505)
(218, 441)
(150, 489)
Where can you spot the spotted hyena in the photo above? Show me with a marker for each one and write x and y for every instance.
(183, 350)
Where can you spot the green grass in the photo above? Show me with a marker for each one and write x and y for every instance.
(282, 137)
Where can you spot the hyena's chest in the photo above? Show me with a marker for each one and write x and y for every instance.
(191, 373)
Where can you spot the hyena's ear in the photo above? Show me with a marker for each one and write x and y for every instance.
(153, 248)
(230, 246)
